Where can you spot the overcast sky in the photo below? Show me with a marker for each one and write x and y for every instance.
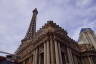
(15, 16)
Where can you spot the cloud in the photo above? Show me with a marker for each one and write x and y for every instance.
(15, 16)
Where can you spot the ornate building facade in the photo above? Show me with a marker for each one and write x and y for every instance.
(52, 45)
(87, 36)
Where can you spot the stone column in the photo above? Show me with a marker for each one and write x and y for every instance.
(48, 52)
(36, 56)
(39, 59)
(60, 57)
(70, 56)
(52, 51)
(33, 57)
(57, 53)
(45, 53)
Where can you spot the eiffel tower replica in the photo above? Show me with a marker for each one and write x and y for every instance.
(52, 45)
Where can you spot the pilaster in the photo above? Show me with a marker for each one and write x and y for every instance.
(58, 53)
(45, 53)
(52, 51)
(35, 57)
(48, 52)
